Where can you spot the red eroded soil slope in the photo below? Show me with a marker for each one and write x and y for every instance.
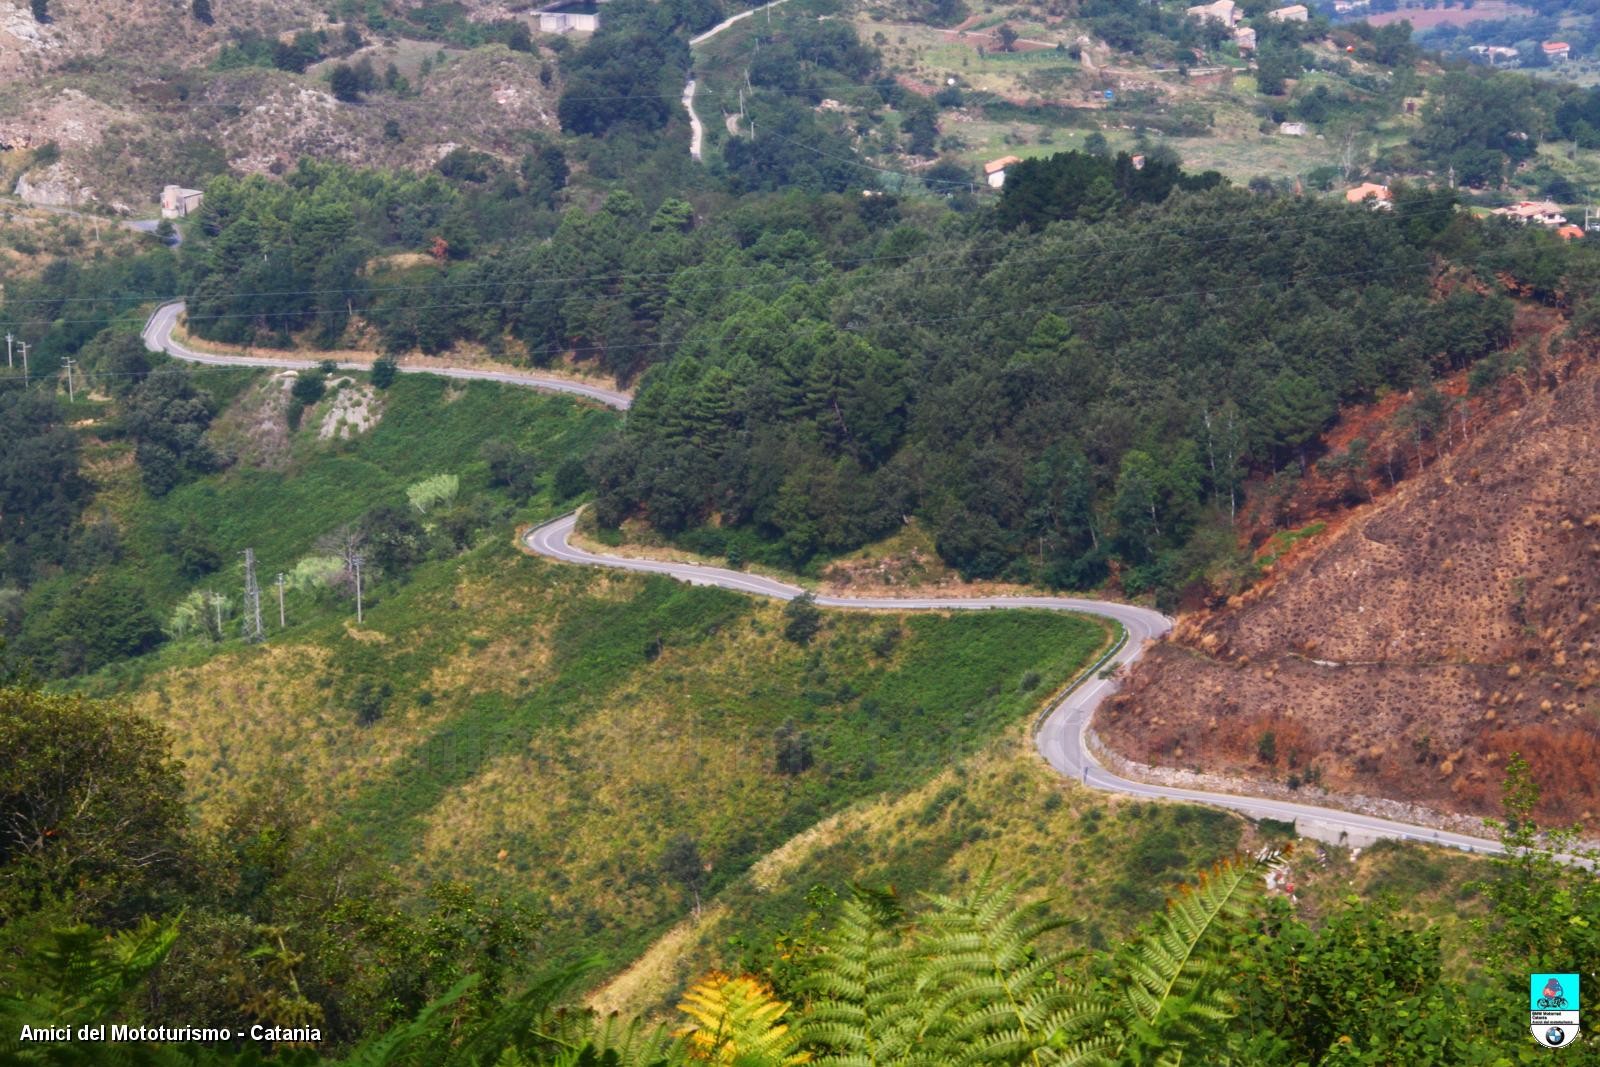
(1430, 635)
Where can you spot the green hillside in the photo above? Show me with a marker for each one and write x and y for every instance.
(544, 732)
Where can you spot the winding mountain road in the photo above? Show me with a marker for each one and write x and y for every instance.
(1062, 736)
(158, 338)
(697, 131)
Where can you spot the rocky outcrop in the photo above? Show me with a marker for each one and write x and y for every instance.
(55, 186)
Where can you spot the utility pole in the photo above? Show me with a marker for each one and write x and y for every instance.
(9, 363)
(216, 602)
(358, 561)
(252, 599)
(69, 380)
(24, 346)
(280, 600)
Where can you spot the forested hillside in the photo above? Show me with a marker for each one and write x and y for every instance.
(305, 731)
(1051, 400)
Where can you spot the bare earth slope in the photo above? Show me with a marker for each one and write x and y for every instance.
(1449, 625)
(130, 99)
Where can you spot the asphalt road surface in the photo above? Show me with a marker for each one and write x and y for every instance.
(697, 132)
(158, 338)
(1062, 736)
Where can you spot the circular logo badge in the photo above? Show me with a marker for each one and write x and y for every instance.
(1555, 1036)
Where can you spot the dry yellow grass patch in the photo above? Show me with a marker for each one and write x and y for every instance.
(577, 798)
(664, 966)
(681, 953)
(509, 663)
(1029, 838)
(246, 715)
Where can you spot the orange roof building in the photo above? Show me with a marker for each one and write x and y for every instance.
(995, 170)
(1365, 190)
(1569, 232)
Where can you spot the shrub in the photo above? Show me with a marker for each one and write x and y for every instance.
(308, 389)
(570, 478)
(793, 749)
(802, 619)
(431, 492)
(511, 467)
(384, 372)
(370, 699)
(313, 571)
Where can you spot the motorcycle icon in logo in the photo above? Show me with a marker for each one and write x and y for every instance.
(1552, 997)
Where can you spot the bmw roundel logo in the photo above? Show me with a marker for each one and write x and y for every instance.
(1555, 1035)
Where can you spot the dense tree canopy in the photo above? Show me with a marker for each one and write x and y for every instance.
(41, 491)
(1475, 123)
(629, 72)
(1070, 185)
(1044, 401)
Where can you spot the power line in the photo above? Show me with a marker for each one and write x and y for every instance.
(1062, 309)
(1100, 251)
(617, 279)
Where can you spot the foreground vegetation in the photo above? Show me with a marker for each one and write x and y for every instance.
(976, 976)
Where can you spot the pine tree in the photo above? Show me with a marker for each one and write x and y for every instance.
(201, 10)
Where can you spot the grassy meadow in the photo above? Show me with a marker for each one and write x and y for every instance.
(546, 731)
(289, 490)
(553, 733)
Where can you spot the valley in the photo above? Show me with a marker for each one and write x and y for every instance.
(841, 531)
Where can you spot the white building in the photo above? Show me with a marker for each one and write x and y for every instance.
(1224, 11)
(178, 202)
(1245, 38)
(1542, 212)
(1292, 13)
(994, 172)
(570, 16)
(1497, 55)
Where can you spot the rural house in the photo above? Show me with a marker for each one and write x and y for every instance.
(995, 172)
(570, 16)
(1542, 212)
(1224, 11)
(1371, 193)
(178, 202)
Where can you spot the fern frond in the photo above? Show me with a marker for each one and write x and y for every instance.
(993, 994)
(736, 1020)
(1169, 980)
(865, 1008)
